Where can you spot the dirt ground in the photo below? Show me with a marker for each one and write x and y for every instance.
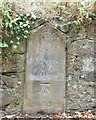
(86, 115)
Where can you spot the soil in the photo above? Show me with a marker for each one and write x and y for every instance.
(88, 115)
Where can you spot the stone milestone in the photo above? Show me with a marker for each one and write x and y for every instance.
(45, 71)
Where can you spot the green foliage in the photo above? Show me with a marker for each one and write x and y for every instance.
(15, 27)
(73, 15)
(68, 16)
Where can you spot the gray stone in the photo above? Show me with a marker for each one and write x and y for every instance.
(12, 92)
(45, 71)
(80, 69)
(0, 63)
(13, 63)
(6, 98)
(20, 63)
(8, 81)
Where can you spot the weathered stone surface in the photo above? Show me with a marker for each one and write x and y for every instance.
(12, 88)
(80, 72)
(45, 71)
(0, 62)
(1, 96)
(13, 63)
(80, 95)
(8, 81)
(7, 97)
(81, 57)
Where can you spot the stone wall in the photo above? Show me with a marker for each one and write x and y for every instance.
(12, 80)
(80, 82)
(80, 74)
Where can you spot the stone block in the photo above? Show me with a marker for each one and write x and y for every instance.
(80, 69)
(8, 81)
(6, 97)
(45, 71)
(47, 97)
(13, 63)
(0, 65)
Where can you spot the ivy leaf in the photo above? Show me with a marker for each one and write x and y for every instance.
(1, 36)
(0, 45)
(77, 23)
(10, 25)
(18, 43)
(65, 26)
(12, 33)
(26, 31)
(11, 41)
(25, 25)
(16, 19)
(18, 38)
(3, 44)
(27, 22)
(28, 26)
(25, 37)
(15, 46)
(34, 16)
(28, 15)
(6, 24)
(8, 16)
(1, 22)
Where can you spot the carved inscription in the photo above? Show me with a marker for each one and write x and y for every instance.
(46, 69)
(44, 90)
(44, 95)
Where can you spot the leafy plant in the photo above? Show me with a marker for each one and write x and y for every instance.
(15, 26)
(73, 14)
